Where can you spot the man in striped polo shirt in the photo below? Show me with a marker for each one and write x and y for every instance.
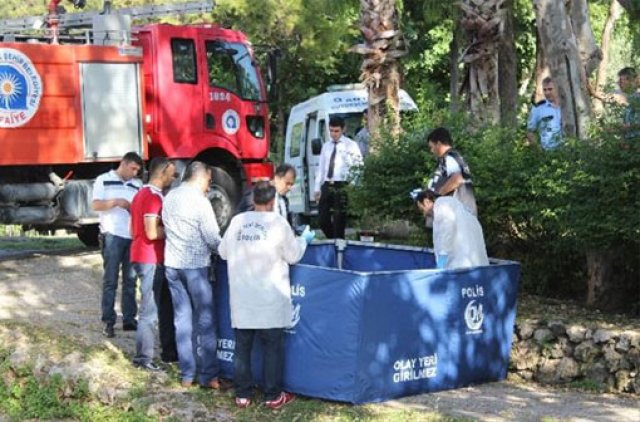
(112, 195)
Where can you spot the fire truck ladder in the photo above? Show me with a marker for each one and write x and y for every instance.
(85, 19)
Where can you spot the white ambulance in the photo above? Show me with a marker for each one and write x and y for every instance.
(308, 129)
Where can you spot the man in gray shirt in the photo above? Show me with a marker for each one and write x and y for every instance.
(192, 233)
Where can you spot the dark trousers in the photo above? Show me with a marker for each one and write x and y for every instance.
(115, 255)
(166, 327)
(272, 341)
(332, 210)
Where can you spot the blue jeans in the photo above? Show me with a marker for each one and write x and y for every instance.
(151, 277)
(272, 341)
(115, 255)
(194, 317)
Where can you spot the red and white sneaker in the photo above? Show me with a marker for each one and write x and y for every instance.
(243, 402)
(283, 399)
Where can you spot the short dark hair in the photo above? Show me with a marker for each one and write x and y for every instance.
(196, 169)
(283, 169)
(440, 134)
(132, 157)
(547, 80)
(336, 122)
(263, 193)
(429, 194)
(158, 165)
(629, 72)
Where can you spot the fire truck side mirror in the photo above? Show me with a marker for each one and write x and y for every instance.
(316, 146)
(272, 73)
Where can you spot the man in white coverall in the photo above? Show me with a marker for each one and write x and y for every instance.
(457, 233)
(259, 247)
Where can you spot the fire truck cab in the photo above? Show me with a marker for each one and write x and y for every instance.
(72, 104)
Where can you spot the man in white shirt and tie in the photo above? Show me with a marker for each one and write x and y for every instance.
(338, 157)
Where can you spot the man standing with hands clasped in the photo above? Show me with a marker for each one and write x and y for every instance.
(259, 247)
(112, 195)
(338, 157)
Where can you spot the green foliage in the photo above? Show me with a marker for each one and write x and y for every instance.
(545, 209)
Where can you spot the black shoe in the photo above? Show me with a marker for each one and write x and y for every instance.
(109, 331)
(169, 359)
(130, 326)
(151, 367)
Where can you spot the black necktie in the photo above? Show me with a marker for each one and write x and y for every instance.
(332, 160)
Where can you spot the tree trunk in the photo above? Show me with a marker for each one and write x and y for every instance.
(507, 64)
(541, 70)
(563, 57)
(615, 11)
(482, 23)
(598, 272)
(454, 80)
(590, 54)
(383, 46)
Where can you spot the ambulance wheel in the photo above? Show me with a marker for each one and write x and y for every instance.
(223, 195)
(89, 235)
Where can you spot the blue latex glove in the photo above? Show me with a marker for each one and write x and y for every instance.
(308, 235)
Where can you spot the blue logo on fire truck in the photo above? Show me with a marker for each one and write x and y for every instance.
(20, 88)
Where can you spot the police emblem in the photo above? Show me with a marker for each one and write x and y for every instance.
(20, 88)
(230, 122)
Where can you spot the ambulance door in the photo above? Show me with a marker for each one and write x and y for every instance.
(311, 130)
(293, 155)
(316, 134)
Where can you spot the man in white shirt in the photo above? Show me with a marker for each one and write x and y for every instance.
(192, 234)
(338, 157)
(545, 118)
(111, 198)
(456, 232)
(259, 247)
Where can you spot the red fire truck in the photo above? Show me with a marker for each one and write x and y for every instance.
(75, 99)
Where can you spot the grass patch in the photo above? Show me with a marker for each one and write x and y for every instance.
(586, 384)
(40, 243)
(25, 394)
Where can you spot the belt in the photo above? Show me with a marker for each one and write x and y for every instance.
(335, 183)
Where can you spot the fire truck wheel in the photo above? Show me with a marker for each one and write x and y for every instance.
(223, 195)
(89, 235)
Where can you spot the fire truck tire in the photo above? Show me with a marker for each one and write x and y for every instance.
(224, 196)
(89, 235)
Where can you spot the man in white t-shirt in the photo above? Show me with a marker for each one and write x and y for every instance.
(259, 246)
(112, 195)
(457, 233)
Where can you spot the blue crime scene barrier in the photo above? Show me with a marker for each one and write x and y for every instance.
(387, 324)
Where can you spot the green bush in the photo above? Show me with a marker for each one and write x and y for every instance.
(545, 209)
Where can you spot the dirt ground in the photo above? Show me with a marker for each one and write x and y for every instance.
(63, 292)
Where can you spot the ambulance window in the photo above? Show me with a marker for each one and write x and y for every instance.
(296, 137)
(184, 61)
(322, 130)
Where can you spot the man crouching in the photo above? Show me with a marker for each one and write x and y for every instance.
(259, 246)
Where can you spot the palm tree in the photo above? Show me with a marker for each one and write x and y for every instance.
(382, 47)
(482, 22)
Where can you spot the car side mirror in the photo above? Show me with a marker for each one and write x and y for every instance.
(316, 146)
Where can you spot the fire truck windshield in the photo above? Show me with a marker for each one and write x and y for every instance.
(231, 67)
